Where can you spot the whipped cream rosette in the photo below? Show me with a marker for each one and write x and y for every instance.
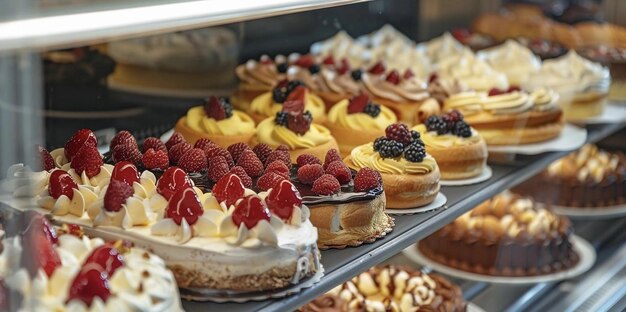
(442, 48)
(471, 71)
(22, 181)
(513, 59)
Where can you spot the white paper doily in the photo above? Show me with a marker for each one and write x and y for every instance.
(612, 113)
(472, 307)
(571, 138)
(439, 201)
(591, 213)
(484, 176)
(173, 93)
(585, 251)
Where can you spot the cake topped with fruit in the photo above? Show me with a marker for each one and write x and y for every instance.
(216, 120)
(360, 114)
(460, 150)
(286, 91)
(64, 270)
(410, 176)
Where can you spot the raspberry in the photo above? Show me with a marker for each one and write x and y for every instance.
(415, 153)
(177, 151)
(262, 151)
(278, 167)
(408, 74)
(326, 185)
(204, 143)
(399, 132)
(154, 143)
(390, 149)
(366, 180)
(358, 103)
(89, 160)
(246, 180)
(218, 108)
(116, 195)
(340, 171)
(454, 116)
(372, 109)
(283, 148)
(462, 129)
(393, 77)
(122, 137)
(307, 159)
(126, 152)
(79, 139)
(217, 168)
(331, 155)
(250, 163)
(218, 151)
(377, 69)
(268, 180)
(193, 160)
(435, 123)
(47, 162)
(236, 150)
(174, 139)
(155, 159)
(307, 174)
(279, 155)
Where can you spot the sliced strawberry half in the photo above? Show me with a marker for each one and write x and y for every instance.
(228, 189)
(249, 211)
(357, 104)
(92, 281)
(184, 204)
(108, 257)
(79, 139)
(61, 183)
(282, 199)
(126, 172)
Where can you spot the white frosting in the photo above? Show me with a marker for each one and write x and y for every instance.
(442, 47)
(59, 157)
(513, 59)
(471, 71)
(21, 181)
(99, 180)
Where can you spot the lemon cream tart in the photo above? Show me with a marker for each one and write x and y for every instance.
(410, 176)
(269, 103)
(358, 114)
(65, 270)
(509, 117)
(217, 121)
(258, 77)
(460, 151)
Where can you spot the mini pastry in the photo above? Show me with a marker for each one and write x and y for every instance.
(392, 288)
(471, 71)
(513, 59)
(582, 85)
(294, 128)
(269, 103)
(256, 78)
(509, 117)
(460, 151)
(587, 178)
(358, 114)
(410, 176)
(507, 235)
(217, 121)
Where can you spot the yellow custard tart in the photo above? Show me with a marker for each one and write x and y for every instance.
(269, 103)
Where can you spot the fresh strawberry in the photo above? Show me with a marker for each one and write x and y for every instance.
(236, 150)
(204, 143)
(268, 180)
(47, 162)
(329, 60)
(307, 159)
(246, 180)
(116, 195)
(408, 74)
(300, 123)
(155, 160)
(79, 139)
(294, 107)
(91, 282)
(250, 163)
(126, 172)
(283, 198)
(122, 137)
(366, 180)
(331, 155)
(340, 171)
(108, 257)
(307, 174)
(249, 211)
(393, 77)
(305, 61)
(61, 183)
(177, 151)
(184, 204)
(357, 104)
(193, 160)
(88, 160)
(377, 69)
(262, 151)
(174, 139)
(217, 168)
(326, 185)
(172, 180)
(38, 246)
(218, 108)
(278, 167)
(279, 155)
(126, 152)
(218, 151)
(228, 189)
(154, 143)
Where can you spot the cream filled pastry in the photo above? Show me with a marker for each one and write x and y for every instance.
(358, 114)
(442, 47)
(513, 59)
(268, 104)
(410, 176)
(340, 46)
(217, 121)
(258, 77)
(471, 71)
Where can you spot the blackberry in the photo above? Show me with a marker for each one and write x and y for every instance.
(415, 153)
(454, 115)
(390, 149)
(415, 136)
(356, 74)
(282, 67)
(292, 85)
(372, 109)
(399, 132)
(379, 142)
(281, 118)
(462, 129)
(434, 123)
(308, 115)
(314, 69)
(228, 107)
(279, 95)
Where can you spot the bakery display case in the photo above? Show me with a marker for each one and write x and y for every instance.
(289, 155)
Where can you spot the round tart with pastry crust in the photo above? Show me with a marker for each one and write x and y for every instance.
(509, 117)
(460, 151)
(508, 235)
(270, 103)
(217, 121)
(410, 176)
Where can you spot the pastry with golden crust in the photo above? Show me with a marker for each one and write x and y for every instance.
(508, 235)
(270, 103)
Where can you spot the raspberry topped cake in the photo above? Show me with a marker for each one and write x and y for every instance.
(286, 91)
(410, 175)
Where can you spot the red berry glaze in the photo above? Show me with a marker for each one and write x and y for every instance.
(282, 199)
(307, 174)
(108, 257)
(172, 180)
(79, 139)
(91, 282)
(126, 172)
(116, 195)
(61, 183)
(228, 189)
(326, 185)
(250, 211)
(184, 204)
